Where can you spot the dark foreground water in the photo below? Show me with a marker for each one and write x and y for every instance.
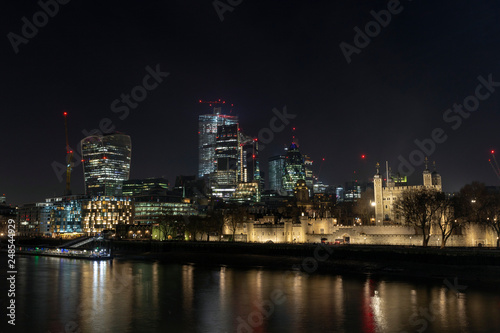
(63, 295)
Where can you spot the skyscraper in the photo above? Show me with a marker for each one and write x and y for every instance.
(224, 179)
(276, 172)
(294, 168)
(207, 133)
(106, 163)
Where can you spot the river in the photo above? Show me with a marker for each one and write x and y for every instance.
(72, 295)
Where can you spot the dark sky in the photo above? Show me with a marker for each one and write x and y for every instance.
(264, 55)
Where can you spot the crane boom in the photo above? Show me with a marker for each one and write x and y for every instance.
(69, 157)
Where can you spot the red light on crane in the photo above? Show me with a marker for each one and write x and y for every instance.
(492, 151)
(65, 113)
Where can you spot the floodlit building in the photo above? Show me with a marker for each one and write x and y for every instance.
(106, 163)
(386, 196)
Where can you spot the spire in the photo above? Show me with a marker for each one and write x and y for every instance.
(426, 161)
(434, 165)
(377, 166)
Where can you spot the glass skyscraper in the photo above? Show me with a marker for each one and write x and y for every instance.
(276, 171)
(207, 133)
(224, 179)
(106, 163)
(294, 168)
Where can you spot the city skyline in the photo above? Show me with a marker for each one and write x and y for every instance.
(395, 90)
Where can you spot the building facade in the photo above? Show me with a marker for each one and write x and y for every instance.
(276, 172)
(294, 169)
(207, 135)
(386, 196)
(106, 163)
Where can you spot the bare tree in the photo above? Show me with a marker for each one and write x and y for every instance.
(234, 215)
(482, 206)
(419, 208)
(167, 226)
(447, 219)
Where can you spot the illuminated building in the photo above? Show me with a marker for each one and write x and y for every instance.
(308, 164)
(65, 214)
(224, 180)
(294, 168)
(105, 212)
(148, 210)
(207, 133)
(319, 187)
(3, 199)
(276, 172)
(386, 196)
(247, 192)
(148, 186)
(106, 163)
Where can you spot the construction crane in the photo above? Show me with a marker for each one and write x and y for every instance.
(215, 103)
(69, 157)
(494, 164)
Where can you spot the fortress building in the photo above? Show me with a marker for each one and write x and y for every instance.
(385, 196)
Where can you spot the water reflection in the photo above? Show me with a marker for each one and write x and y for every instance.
(126, 296)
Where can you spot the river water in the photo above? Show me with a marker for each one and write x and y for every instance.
(70, 295)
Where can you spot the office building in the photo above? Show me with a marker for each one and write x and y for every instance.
(106, 163)
(276, 172)
(207, 134)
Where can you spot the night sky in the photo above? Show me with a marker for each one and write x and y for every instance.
(263, 55)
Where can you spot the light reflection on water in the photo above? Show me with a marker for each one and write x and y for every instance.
(62, 295)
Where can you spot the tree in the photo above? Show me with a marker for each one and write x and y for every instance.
(447, 219)
(233, 216)
(419, 208)
(363, 207)
(167, 226)
(482, 206)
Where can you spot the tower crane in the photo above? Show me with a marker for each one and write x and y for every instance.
(69, 157)
(215, 103)
(494, 164)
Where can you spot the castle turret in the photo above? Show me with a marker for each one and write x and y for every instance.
(377, 190)
(436, 179)
(427, 175)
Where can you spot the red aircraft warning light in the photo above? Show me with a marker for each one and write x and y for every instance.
(363, 156)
